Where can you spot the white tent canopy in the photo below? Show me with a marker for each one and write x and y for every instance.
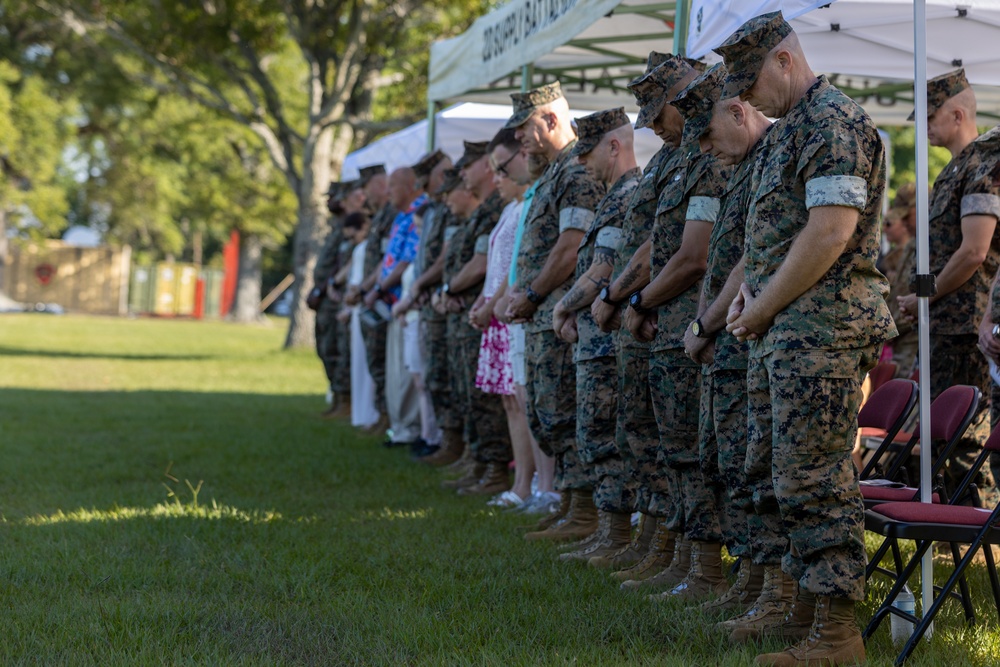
(468, 121)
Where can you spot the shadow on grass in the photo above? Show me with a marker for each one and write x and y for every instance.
(68, 354)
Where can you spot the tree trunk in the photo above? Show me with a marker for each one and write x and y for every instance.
(3, 249)
(309, 233)
(248, 281)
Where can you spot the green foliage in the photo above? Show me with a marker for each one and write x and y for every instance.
(33, 130)
(308, 544)
(904, 161)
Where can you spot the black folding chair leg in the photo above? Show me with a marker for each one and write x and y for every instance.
(901, 580)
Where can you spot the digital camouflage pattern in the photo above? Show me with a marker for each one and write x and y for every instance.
(697, 102)
(565, 198)
(434, 347)
(473, 239)
(605, 232)
(650, 90)
(746, 49)
(675, 389)
(804, 375)
(486, 419)
(691, 185)
(526, 103)
(590, 130)
(968, 185)
(722, 444)
(332, 337)
(638, 222)
(375, 337)
(812, 516)
(473, 151)
(426, 164)
(436, 218)
(825, 152)
(596, 415)
(942, 88)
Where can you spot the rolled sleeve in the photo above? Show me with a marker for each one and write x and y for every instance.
(575, 218)
(482, 244)
(838, 190)
(703, 208)
(981, 204)
(609, 237)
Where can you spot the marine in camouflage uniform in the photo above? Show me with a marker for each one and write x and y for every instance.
(327, 330)
(565, 200)
(969, 185)
(594, 354)
(686, 211)
(485, 417)
(375, 337)
(805, 370)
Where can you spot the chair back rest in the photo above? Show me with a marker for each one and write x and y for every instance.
(889, 404)
(952, 411)
(881, 373)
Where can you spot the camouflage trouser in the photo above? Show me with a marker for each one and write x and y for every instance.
(803, 407)
(675, 383)
(722, 440)
(485, 410)
(551, 376)
(459, 392)
(375, 351)
(436, 370)
(636, 433)
(596, 417)
(957, 360)
(328, 331)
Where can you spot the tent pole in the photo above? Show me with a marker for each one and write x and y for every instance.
(681, 12)
(923, 303)
(431, 125)
(527, 77)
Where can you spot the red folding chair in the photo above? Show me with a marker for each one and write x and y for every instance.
(884, 414)
(927, 523)
(881, 373)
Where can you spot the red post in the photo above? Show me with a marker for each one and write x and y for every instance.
(230, 268)
(199, 299)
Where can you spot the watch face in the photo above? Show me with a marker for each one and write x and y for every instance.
(696, 328)
(635, 300)
(604, 294)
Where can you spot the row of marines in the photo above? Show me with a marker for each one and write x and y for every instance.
(697, 332)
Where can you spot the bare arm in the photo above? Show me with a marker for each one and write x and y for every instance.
(713, 317)
(810, 256)
(634, 276)
(560, 263)
(433, 274)
(588, 286)
(684, 267)
(472, 273)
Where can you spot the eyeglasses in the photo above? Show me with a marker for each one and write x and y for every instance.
(502, 168)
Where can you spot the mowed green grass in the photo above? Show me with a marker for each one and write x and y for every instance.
(305, 544)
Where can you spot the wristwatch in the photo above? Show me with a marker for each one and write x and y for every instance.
(533, 296)
(378, 288)
(996, 330)
(698, 329)
(605, 296)
(446, 289)
(635, 301)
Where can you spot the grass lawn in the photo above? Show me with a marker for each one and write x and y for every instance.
(169, 496)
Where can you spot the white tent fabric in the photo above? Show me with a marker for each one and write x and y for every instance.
(467, 121)
(594, 47)
(872, 38)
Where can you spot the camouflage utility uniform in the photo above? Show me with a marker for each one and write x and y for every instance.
(691, 186)
(596, 367)
(378, 243)
(328, 330)
(804, 375)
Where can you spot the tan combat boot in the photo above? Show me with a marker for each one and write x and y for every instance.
(669, 576)
(799, 618)
(463, 462)
(452, 448)
(471, 477)
(580, 521)
(603, 525)
(565, 500)
(768, 610)
(833, 639)
(704, 577)
(658, 556)
(631, 553)
(496, 478)
(616, 534)
(746, 588)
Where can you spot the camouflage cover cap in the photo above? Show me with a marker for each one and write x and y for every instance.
(654, 60)
(591, 129)
(650, 90)
(335, 189)
(745, 50)
(426, 165)
(942, 88)
(473, 151)
(697, 65)
(452, 179)
(526, 103)
(697, 101)
(906, 197)
(369, 172)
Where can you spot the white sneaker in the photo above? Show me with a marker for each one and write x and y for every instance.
(506, 500)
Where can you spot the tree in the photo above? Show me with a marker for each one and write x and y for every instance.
(226, 56)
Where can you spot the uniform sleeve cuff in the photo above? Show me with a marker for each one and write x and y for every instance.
(575, 218)
(851, 191)
(609, 237)
(482, 244)
(981, 204)
(703, 208)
